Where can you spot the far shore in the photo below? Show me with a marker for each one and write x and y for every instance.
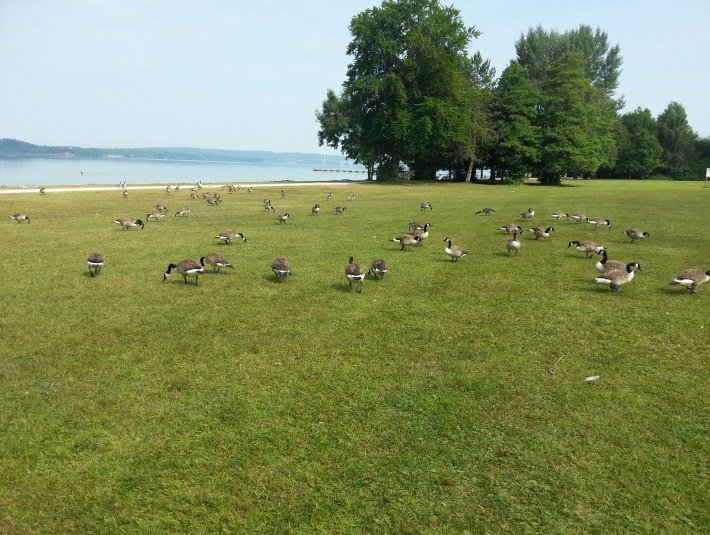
(183, 187)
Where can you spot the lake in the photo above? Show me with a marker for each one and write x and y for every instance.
(74, 171)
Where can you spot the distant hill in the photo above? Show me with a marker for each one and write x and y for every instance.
(17, 148)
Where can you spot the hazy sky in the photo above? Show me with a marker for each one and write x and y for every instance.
(249, 74)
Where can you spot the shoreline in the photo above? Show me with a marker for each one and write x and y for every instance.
(91, 188)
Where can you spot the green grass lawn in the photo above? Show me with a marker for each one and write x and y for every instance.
(425, 404)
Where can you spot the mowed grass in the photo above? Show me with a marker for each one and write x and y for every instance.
(426, 404)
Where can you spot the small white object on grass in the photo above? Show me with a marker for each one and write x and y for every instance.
(591, 378)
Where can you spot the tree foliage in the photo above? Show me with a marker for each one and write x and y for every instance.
(638, 149)
(677, 140)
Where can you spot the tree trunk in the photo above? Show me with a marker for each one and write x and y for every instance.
(469, 171)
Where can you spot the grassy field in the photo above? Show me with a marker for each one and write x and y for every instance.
(447, 398)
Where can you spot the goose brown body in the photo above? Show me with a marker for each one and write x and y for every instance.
(281, 268)
(355, 273)
(691, 279)
(217, 261)
(95, 261)
(186, 268)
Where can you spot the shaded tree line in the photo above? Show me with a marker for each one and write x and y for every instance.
(414, 102)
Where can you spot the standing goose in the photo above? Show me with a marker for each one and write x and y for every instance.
(691, 279)
(161, 208)
(186, 268)
(528, 214)
(183, 212)
(560, 215)
(407, 239)
(127, 222)
(454, 251)
(588, 247)
(579, 217)
(422, 233)
(486, 211)
(355, 273)
(378, 269)
(217, 261)
(340, 209)
(95, 261)
(125, 194)
(513, 244)
(636, 234)
(604, 265)
(283, 218)
(228, 235)
(599, 222)
(510, 228)
(618, 277)
(154, 216)
(424, 205)
(315, 210)
(20, 218)
(541, 232)
(281, 268)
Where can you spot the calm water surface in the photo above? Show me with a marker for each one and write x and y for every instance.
(52, 172)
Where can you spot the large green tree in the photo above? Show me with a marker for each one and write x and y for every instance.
(677, 139)
(407, 96)
(638, 149)
(577, 122)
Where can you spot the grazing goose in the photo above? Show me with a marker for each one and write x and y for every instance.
(186, 268)
(604, 265)
(415, 226)
(588, 247)
(422, 233)
(407, 239)
(378, 269)
(283, 218)
(560, 215)
(618, 277)
(127, 222)
(154, 216)
(183, 212)
(424, 205)
(355, 273)
(691, 279)
(217, 261)
(95, 261)
(161, 208)
(454, 251)
(510, 228)
(281, 268)
(194, 196)
(636, 234)
(486, 211)
(528, 214)
(513, 244)
(228, 235)
(579, 217)
(541, 232)
(599, 222)
(20, 218)
(315, 210)
(340, 209)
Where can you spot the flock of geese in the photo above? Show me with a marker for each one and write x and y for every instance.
(611, 272)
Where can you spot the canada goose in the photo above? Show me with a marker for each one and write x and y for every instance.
(513, 244)
(161, 208)
(20, 218)
(228, 235)
(415, 226)
(214, 202)
(691, 279)
(528, 214)
(186, 268)
(541, 232)
(283, 194)
(560, 215)
(167, 189)
(486, 211)
(125, 194)
(424, 205)
(407, 239)
(588, 247)
(154, 216)
(378, 269)
(636, 234)
(599, 222)
(340, 209)
(194, 196)
(315, 210)
(95, 261)
(281, 268)
(217, 261)
(618, 277)
(579, 217)
(510, 228)
(43, 190)
(422, 233)
(127, 222)
(329, 196)
(283, 218)
(604, 265)
(183, 212)
(454, 251)
(350, 197)
(354, 273)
